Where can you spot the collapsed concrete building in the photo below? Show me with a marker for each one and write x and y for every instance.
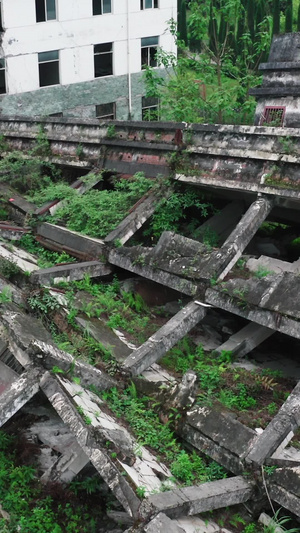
(254, 171)
(238, 164)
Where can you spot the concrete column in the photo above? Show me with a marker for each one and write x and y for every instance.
(280, 430)
(164, 339)
(237, 241)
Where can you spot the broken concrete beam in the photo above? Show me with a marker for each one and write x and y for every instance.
(284, 488)
(281, 428)
(98, 329)
(99, 457)
(121, 257)
(7, 376)
(199, 498)
(25, 262)
(271, 524)
(225, 258)
(17, 295)
(271, 265)
(137, 216)
(222, 223)
(12, 233)
(210, 431)
(164, 339)
(240, 306)
(48, 356)
(68, 240)
(70, 272)
(19, 393)
(245, 340)
(162, 524)
(22, 330)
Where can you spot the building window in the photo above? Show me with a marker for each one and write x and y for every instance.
(48, 68)
(273, 116)
(103, 59)
(149, 49)
(60, 114)
(106, 111)
(101, 7)
(150, 108)
(2, 77)
(149, 4)
(45, 10)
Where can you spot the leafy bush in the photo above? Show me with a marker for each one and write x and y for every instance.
(96, 213)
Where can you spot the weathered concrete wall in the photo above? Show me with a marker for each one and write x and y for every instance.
(78, 99)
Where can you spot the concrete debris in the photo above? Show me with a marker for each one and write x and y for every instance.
(70, 272)
(164, 339)
(199, 499)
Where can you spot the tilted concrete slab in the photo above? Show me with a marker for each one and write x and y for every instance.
(23, 329)
(284, 488)
(245, 340)
(7, 376)
(19, 393)
(85, 436)
(211, 432)
(281, 428)
(134, 259)
(48, 356)
(164, 339)
(25, 261)
(87, 248)
(137, 216)
(70, 272)
(243, 298)
(199, 498)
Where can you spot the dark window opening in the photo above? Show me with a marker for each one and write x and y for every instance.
(2, 77)
(101, 7)
(149, 4)
(103, 59)
(1, 25)
(273, 116)
(48, 68)
(106, 111)
(45, 10)
(150, 109)
(149, 51)
(56, 114)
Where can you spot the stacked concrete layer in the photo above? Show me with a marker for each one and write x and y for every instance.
(246, 158)
(271, 302)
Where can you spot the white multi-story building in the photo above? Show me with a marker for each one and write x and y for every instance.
(80, 57)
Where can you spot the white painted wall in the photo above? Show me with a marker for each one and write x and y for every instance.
(74, 33)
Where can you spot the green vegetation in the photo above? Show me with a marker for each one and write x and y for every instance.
(220, 383)
(95, 213)
(46, 258)
(33, 507)
(151, 432)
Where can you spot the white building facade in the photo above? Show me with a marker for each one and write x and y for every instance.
(80, 57)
